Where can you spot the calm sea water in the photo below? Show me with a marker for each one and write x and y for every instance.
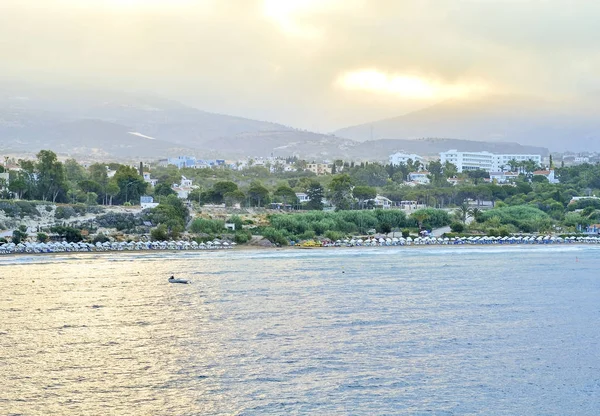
(416, 331)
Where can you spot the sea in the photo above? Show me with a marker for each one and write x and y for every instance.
(331, 331)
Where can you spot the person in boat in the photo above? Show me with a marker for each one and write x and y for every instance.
(172, 277)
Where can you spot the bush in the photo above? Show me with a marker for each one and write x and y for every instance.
(71, 234)
(159, 233)
(405, 233)
(19, 209)
(100, 238)
(206, 226)
(122, 221)
(242, 237)
(19, 234)
(457, 227)
(42, 237)
(275, 236)
(525, 218)
(332, 235)
(64, 212)
(48, 208)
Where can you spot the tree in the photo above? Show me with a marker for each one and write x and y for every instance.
(514, 165)
(286, 195)
(19, 234)
(372, 174)
(477, 176)
(420, 216)
(363, 193)
(74, 171)
(19, 183)
(463, 212)
(51, 179)
(340, 190)
(450, 170)
(219, 189)
(131, 184)
(162, 189)
(234, 197)
(112, 190)
(436, 171)
(314, 192)
(258, 194)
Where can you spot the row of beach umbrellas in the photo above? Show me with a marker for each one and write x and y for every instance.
(473, 240)
(63, 246)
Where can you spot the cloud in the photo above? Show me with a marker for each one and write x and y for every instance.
(313, 64)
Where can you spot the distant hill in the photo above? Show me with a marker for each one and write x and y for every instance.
(108, 125)
(44, 115)
(557, 126)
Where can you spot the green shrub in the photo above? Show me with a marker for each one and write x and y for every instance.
(275, 236)
(332, 235)
(42, 237)
(122, 221)
(100, 238)
(159, 233)
(242, 237)
(19, 209)
(206, 226)
(457, 227)
(70, 234)
(64, 212)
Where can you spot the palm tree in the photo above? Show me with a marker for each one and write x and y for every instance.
(464, 212)
(420, 217)
(476, 213)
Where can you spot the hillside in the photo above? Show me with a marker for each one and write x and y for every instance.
(528, 121)
(120, 126)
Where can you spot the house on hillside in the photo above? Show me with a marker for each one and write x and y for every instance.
(548, 174)
(184, 188)
(419, 177)
(149, 180)
(302, 197)
(381, 201)
(503, 177)
(399, 158)
(147, 202)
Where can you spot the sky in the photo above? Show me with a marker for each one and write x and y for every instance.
(313, 64)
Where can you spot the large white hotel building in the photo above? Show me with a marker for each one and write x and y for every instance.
(487, 161)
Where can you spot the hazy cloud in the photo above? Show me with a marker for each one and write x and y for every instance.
(317, 64)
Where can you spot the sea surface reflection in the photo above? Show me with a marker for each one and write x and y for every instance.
(439, 331)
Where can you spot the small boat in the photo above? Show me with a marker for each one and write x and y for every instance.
(173, 280)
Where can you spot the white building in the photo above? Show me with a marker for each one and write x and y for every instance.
(503, 177)
(490, 162)
(147, 202)
(402, 158)
(184, 188)
(381, 201)
(419, 177)
(548, 174)
(302, 197)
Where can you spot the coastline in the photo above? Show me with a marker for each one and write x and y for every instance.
(247, 248)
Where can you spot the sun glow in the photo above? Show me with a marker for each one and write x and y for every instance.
(128, 4)
(406, 86)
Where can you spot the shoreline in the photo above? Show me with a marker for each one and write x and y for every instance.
(246, 248)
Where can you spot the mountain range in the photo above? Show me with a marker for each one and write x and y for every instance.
(113, 125)
(559, 126)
